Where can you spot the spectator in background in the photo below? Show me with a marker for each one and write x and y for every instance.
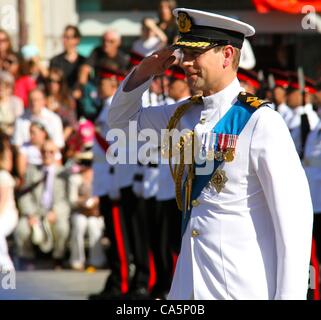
(152, 38)
(24, 83)
(38, 112)
(85, 217)
(30, 152)
(31, 73)
(108, 55)
(70, 60)
(11, 107)
(44, 209)
(31, 55)
(6, 50)
(81, 139)
(167, 21)
(60, 101)
(32, 148)
(8, 210)
(87, 101)
(11, 64)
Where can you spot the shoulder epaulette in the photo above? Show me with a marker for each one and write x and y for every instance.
(251, 100)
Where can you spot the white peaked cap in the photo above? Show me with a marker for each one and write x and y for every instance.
(208, 28)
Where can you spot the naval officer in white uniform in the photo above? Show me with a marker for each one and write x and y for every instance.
(249, 232)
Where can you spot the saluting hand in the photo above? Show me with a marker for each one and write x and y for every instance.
(157, 63)
(150, 66)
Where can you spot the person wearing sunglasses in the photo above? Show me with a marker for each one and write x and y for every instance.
(60, 101)
(6, 50)
(108, 55)
(69, 61)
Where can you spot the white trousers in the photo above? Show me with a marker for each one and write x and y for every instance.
(8, 222)
(94, 226)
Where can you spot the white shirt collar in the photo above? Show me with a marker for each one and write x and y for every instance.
(224, 98)
(217, 104)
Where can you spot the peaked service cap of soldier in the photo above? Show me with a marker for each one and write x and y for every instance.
(201, 29)
(250, 77)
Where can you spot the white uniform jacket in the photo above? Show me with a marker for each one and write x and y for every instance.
(253, 239)
(105, 181)
(293, 121)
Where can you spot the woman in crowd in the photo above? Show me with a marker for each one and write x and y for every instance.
(30, 152)
(11, 107)
(8, 210)
(167, 22)
(6, 50)
(60, 101)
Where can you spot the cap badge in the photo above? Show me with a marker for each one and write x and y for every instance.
(184, 22)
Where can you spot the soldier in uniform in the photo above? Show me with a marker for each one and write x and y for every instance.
(278, 89)
(106, 185)
(302, 118)
(168, 217)
(244, 195)
(248, 80)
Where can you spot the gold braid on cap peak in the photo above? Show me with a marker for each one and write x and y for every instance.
(193, 44)
(167, 150)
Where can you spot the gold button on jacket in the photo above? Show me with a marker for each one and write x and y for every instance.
(195, 203)
(195, 233)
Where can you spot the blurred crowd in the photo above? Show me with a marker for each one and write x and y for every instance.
(60, 199)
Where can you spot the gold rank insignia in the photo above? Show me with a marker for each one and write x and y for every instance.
(218, 180)
(184, 22)
(251, 100)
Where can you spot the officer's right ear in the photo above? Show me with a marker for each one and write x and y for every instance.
(228, 55)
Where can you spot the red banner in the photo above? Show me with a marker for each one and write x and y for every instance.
(288, 6)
